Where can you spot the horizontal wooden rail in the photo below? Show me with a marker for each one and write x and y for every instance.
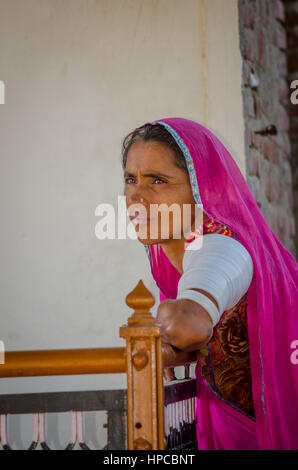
(77, 362)
(63, 362)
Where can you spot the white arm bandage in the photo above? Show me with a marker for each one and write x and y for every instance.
(221, 266)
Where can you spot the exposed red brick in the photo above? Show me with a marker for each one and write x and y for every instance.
(281, 38)
(257, 107)
(250, 136)
(288, 172)
(260, 47)
(249, 103)
(266, 148)
(254, 165)
(257, 140)
(267, 11)
(270, 150)
(261, 11)
(274, 152)
(249, 53)
(284, 92)
(248, 17)
(245, 16)
(254, 140)
(272, 187)
(282, 65)
(266, 106)
(246, 74)
(286, 146)
(269, 103)
(292, 227)
(279, 11)
(284, 122)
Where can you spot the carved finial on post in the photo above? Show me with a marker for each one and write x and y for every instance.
(140, 300)
(144, 368)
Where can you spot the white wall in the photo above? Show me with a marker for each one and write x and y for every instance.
(223, 69)
(79, 75)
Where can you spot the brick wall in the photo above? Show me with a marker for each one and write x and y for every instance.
(266, 98)
(291, 7)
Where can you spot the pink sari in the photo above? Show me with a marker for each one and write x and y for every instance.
(272, 310)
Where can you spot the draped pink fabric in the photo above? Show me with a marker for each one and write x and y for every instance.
(272, 311)
(219, 425)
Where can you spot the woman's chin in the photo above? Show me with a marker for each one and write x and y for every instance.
(153, 241)
(149, 241)
(146, 236)
(154, 236)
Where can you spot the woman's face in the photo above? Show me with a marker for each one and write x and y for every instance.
(152, 178)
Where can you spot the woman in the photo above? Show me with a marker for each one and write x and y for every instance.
(240, 312)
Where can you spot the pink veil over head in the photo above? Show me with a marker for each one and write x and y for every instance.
(272, 313)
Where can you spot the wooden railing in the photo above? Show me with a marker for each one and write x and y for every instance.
(143, 360)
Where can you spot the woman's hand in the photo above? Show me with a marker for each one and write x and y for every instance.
(184, 324)
(168, 352)
(172, 355)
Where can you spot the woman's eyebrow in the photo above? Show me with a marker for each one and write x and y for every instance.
(149, 175)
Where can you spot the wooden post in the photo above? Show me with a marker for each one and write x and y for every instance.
(145, 389)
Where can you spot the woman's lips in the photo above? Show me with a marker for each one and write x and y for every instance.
(141, 220)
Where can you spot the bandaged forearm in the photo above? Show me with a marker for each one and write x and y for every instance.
(219, 265)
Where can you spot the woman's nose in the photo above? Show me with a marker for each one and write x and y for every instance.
(138, 200)
(136, 196)
(137, 204)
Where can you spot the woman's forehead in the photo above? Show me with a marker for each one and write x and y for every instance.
(149, 155)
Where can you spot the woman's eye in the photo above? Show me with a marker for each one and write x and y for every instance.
(158, 181)
(127, 180)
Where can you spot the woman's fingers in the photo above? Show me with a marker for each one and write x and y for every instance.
(168, 352)
(169, 374)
